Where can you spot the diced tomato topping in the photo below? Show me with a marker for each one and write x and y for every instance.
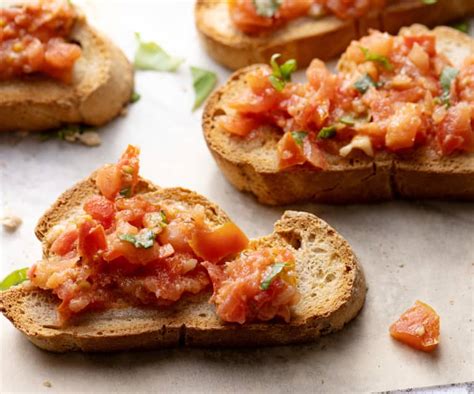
(239, 125)
(455, 132)
(259, 285)
(109, 181)
(92, 239)
(65, 242)
(222, 242)
(418, 327)
(403, 127)
(33, 40)
(100, 209)
(427, 42)
(290, 152)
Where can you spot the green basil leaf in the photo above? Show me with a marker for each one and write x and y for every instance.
(327, 132)
(277, 83)
(448, 75)
(15, 278)
(63, 133)
(126, 192)
(429, 2)
(299, 136)
(462, 26)
(281, 74)
(164, 219)
(363, 84)
(374, 57)
(135, 97)
(144, 239)
(267, 8)
(347, 120)
(203, 83)
(150, 56)
(267, 281)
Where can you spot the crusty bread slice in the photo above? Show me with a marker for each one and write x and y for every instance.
(252, 165)
(331, 282)
(307, 38)
(102, 85)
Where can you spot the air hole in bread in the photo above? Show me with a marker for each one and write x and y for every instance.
(100, 333)
(218, 112)
(293, 239)
(330, 277)
(202, 315)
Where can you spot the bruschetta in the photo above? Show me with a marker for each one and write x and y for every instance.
(239, 33)
(394, 121)
(129, 265)
(56, 69)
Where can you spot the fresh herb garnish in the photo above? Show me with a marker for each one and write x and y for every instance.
(364, 83)
(462, 26)
(347, 120)
(327, 132)
(63, 134)
(429, 2)
(126, 192)
(144, 239)
(15, 278)
(150, 56)
(281, 74)
(299, 136)
(157, 219)
(448, 75)
(267, 8)
(203, 84)
(267, 281)
(135, 97)
(375, 57)
(164, 219)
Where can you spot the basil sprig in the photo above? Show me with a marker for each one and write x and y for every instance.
(281, 73)
(13, 279)
(203, 84)
(267, 8)
(448, 75)
(375, 57)
(144, 239)
(275, 270)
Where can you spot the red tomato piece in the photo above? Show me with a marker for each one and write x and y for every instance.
(92, 239)
(109, 181)
(290, 152)
(417, 327)
(100, 209)
(239, 124)
(455, 131)
(65, 242)
(214, 245)
(428, 43)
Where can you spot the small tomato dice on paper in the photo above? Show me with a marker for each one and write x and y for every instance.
(417, 327)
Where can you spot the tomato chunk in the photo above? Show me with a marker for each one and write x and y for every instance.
(239, 125)
(417, 327)
(214, 245)
(290, 152)
(100, 209)
(65, 243)
(91, 239)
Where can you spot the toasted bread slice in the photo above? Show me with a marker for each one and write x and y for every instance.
(102, 85)
(331, 283)
(307, 38)
(252, 165)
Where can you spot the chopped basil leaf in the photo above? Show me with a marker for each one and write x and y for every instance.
(150, 56)
(462, 26)
(327, 132)
(374, 57)
(347, 120)
(203, 84)
(135, 97)
(15, 278)
(363, 84)
(164, 219)
(157, 219)
(144, 239)
(64, 134)
(281, 74)
(267, 8)
(276, 269)
(448, 75)
(429, 2)
(126, 192)
(299, 136)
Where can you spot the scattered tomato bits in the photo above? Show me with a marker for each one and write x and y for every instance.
(34, 39)
(417, 327)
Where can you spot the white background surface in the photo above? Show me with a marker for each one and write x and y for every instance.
(409, 250)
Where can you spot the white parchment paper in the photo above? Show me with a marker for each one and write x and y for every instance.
(409, 250)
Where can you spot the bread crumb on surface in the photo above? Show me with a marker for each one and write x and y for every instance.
(47, 383)
(90, 138)
(11, 222)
